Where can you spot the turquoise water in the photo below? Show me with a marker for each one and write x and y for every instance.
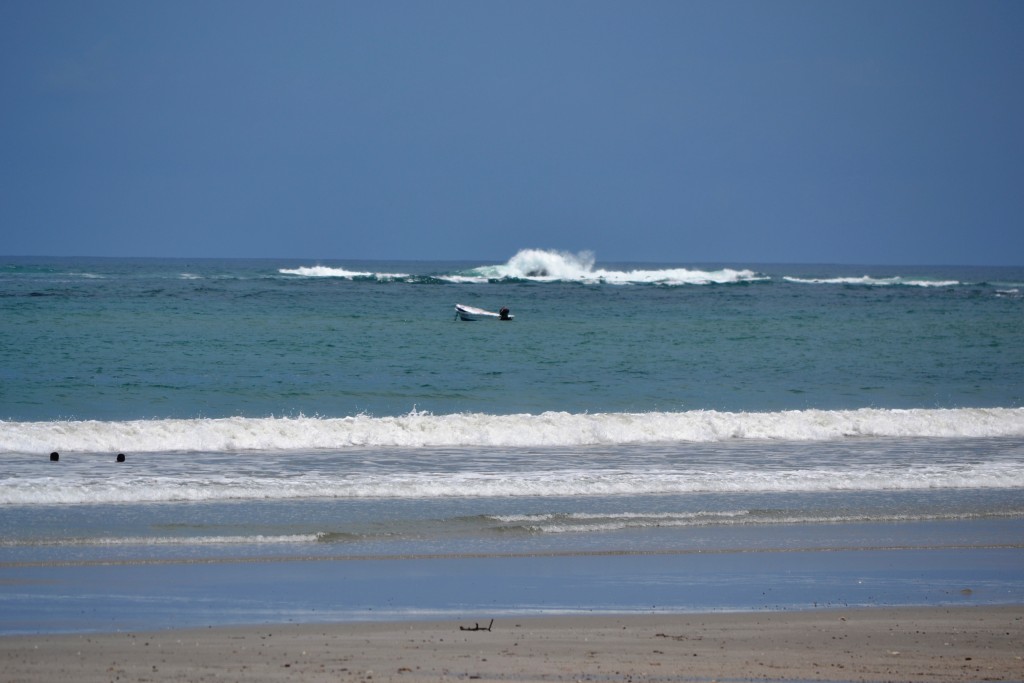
(275, 410)
(123, 339)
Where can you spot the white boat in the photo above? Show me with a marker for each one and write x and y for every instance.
(463, 312)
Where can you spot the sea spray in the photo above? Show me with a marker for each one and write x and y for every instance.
(538, 265)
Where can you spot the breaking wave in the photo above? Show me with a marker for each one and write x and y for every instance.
(551, 266)
(550, 429)
(541, 265)
(327, 271)
(538, 265)
(867, 280)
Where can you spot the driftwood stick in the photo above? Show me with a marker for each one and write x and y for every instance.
(477, 627)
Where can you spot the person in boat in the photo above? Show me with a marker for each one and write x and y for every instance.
(503, 313)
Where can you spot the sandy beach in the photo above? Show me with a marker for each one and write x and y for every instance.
(899, 644)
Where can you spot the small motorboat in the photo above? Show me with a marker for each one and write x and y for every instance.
(463, 312)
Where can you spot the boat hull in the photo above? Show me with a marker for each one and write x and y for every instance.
(472, 313)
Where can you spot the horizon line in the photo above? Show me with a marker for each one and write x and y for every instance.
(489, 261)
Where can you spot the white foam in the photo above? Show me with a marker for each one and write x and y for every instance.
(325, 271)
(873, 281)
(585, 523)
(541, 265)
(208, 482)
(550, 429)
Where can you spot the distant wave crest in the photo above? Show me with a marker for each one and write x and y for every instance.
(549, 266)
(539, 265)
(555, 266)
(327, 271)
(873, 281)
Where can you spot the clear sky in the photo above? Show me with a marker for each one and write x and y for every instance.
(853, 131)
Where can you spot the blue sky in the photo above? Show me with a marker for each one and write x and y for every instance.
(849, 132)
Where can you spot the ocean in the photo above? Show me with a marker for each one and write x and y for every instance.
(279, 410)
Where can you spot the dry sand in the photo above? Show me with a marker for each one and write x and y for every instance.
(906, 644)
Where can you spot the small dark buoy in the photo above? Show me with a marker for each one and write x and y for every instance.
(120, 457)
(54, 457)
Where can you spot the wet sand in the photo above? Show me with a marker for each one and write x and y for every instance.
(876, 644)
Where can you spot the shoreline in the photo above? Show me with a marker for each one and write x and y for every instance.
(837, 644)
